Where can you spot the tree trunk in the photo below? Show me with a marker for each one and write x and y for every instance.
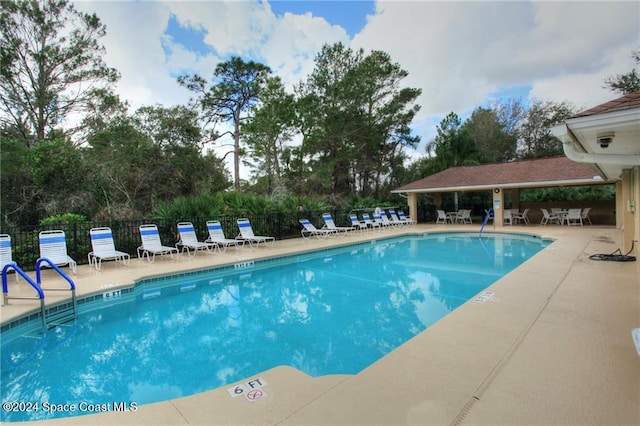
(236, 152)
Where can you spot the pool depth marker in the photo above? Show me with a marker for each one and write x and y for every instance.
(252, 389)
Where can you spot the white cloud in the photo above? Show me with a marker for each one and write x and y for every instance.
(136, 36)
(462, 53)
(447, 47)
(134, 47)
(459, 53)
(584, 89)
(287, 44)
(582, 52)
(233, 28)
(296, 39)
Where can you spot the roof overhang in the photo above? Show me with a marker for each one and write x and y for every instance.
(609, 141)
(596, 180)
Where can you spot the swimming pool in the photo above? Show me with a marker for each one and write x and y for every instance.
(332, 312)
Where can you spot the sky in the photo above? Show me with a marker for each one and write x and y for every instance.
(461, 54)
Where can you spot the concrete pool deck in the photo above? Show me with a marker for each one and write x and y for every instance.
(553, 347)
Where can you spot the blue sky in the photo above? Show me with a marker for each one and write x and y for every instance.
(461, 54)
(350, 15)
(191, 38)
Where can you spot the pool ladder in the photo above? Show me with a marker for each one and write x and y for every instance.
(490, 214)
(55, 315)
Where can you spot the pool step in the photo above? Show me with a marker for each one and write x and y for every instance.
(60, 315)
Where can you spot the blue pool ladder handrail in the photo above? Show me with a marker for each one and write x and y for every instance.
(55, 317)
(486, 219)
(5, 289)
(61, 315)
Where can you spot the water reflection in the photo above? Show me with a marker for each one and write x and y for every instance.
(331, 314)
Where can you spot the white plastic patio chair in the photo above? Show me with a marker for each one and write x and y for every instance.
(189, 240)
(246, 234)
(216, 236)
(549, 218)
(465, 216)
(309, 230)
(574, 217)
(152, 245)
(585, 215)
(6, 257)
(442, 217)
(521, 216)
(103, 248)
(53, 246)
(558, 213)
(508, 218)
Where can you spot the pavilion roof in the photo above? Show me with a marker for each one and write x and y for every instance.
(534, 173)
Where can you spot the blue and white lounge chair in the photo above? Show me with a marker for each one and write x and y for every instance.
(404, 218)
(53, 246)
(103, 248)
(394, 219)
(246, 234)
(6, 257)
(330, 224)
(370, 223)
(355, 222)
(216, 236)
(152, 245)
(377, 218)
(189, 240)
(385, 220)
(309, 230)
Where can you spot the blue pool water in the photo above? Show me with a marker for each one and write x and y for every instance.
(332, 312)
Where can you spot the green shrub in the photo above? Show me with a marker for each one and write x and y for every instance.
(65, 218)
(236, 204)
(575, 193)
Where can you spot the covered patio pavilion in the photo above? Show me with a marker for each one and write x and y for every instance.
(602, 146)
(500, 178)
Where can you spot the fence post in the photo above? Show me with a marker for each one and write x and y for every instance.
(279, 224)
(75, 240)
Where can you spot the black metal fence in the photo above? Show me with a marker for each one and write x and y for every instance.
(25, 247)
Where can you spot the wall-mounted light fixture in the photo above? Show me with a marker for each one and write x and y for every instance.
(605, 139)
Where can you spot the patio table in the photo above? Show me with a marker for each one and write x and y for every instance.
(560, 214)
(454, 216)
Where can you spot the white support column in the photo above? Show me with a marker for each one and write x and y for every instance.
(498, 207)
(412, 201)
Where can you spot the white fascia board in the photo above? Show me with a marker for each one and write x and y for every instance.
(596, 180)
(561, 131)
